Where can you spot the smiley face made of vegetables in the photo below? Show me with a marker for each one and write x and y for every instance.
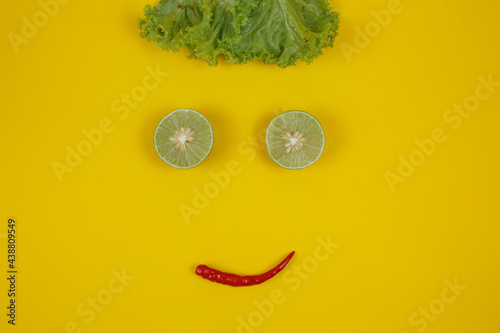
(184, 138)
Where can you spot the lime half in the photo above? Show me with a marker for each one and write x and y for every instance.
(183, 138)
(295, 140)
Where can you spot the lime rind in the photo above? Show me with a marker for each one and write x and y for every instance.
(195, 152)
(295, 122)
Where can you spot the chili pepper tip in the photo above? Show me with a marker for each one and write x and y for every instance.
(200, 269)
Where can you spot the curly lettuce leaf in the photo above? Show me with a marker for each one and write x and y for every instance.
(275, 31)
(283, 31)
(166, 23)
(219, 30)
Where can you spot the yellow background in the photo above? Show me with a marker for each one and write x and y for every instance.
(119, 209)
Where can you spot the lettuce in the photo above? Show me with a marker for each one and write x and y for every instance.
(275, 31)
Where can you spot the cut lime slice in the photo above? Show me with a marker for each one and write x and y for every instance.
(183, 138)
(295, 140)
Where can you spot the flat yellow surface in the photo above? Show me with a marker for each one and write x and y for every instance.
(390, 235)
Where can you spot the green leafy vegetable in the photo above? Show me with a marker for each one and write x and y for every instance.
(275, 31)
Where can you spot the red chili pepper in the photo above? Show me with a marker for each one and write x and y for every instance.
(239, 281)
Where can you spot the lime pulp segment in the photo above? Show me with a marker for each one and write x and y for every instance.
(183, 138)
(295, 139)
